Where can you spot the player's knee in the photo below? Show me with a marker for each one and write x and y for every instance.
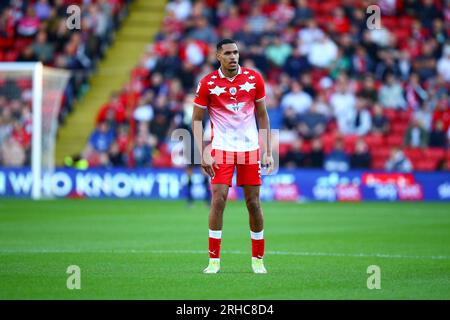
(253, 205)
(220, 199)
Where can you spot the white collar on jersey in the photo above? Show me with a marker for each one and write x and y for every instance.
(223, 76)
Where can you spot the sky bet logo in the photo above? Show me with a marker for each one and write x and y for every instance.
(235, 106)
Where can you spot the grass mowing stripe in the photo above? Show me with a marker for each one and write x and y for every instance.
(286, 253)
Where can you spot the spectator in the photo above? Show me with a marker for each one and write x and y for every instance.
(416, 136)
(295, 158)
(356, 121)
(11, 153)
(361, 158)
(442, 112)
(380, 124)
(340, 65)
(100, 141)
(29, 24)
(415, 93)
(343, 103)
(312, 124)
(404, 65)
(369, 91)
(289, 121)
(443, 64)
(203, 31)
(42, 48)
(296, 64)
(144, 112)
(423, 116)
(308, 36)
(283, 13)
(337, 160)
(181, 8)
(42, 9)
(398, 161)
(322, 106)
(425, 63)
(193, 50)
(278, 52)
(257, 21)
(323, 52)
(391, 94)
(233, 21)
(159, 126)
(316, 156)
(361, 63)
(142, 152)
(302, 12)
(297, 99)
(114, 109)
(428, 12)
(115, 157)
(438, 137)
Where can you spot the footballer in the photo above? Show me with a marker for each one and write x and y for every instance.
(235, 99)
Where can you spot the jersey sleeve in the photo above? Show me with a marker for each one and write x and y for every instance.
(201, 95)
(260, 87)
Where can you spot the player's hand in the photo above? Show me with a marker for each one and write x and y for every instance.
(267, 162)
(208, 167)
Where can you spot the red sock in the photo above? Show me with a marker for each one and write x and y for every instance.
(257, 244)
(215, 238)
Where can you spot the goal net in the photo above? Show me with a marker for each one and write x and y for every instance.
(30, 99)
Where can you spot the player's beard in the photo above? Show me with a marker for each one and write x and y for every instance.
(233, 69)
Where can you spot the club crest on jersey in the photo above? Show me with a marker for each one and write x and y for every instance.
(235, 107)
(233, 90)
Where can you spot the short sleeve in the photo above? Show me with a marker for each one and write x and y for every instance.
(201, 95)
(260, 87)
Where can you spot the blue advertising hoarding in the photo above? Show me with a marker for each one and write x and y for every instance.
(286, 185)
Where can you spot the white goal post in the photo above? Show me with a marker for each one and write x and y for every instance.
(45, 96)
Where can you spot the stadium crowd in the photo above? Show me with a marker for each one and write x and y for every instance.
(36, 30)
(343, 94)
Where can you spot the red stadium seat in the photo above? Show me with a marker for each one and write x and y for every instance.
(399, 127)
(284, 149)
(381, 153)
(394, 140)
(434, 154)
(378, 164)
(404, 115)
(424, 165)
(414, 154)
(391, 114)
(349, 143)
(374, 140)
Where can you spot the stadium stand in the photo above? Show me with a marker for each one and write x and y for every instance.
(37, 31)
(328, 78)
(325, 71)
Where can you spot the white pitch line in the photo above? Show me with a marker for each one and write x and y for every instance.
(285, 253)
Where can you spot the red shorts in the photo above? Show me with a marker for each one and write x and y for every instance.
(248, 168)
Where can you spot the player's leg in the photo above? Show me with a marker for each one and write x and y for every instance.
(207, 190)
(249, 177)
(219, 198)
(256, 220)
(220, 185)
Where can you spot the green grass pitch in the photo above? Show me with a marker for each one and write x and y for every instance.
(157, 250)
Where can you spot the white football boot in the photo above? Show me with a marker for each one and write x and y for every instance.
(213, 266)
(258, 265)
